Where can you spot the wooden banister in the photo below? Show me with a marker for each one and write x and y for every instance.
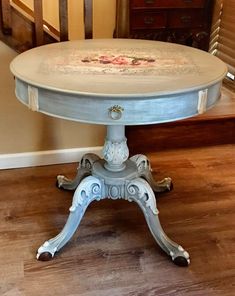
(6, 17)
(88, 17)
(28, 13)
(22, 27)
(122, 19)
(63, 19)
(38, 20)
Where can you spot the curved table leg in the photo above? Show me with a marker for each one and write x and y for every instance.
(88, 190)
(139, 190)
(145, 171)
(84, 170)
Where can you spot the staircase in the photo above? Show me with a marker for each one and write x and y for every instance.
(22, 28)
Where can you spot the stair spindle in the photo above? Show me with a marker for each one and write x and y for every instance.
(38, 20)
(6, 17)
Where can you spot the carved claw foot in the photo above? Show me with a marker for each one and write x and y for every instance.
(182, 259)
(163, 185)
(84, 170)
(88, 190)
(145, 172)
(139, 190)
(45, 256)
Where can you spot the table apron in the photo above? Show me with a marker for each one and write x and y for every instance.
(124, 110)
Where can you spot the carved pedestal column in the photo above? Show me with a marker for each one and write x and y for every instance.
(115, 149)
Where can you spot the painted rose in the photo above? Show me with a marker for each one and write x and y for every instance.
(120, 60)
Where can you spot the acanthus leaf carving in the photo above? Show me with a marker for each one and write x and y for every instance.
(139, 190)
(89, 189)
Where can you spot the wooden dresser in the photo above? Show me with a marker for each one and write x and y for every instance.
(181, 21)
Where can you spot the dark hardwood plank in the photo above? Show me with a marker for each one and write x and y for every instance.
(113, 253)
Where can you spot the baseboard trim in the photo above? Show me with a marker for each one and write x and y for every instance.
(39, 158)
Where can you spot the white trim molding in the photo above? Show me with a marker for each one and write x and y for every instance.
(38, 158)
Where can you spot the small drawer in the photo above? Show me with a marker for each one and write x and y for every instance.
(185, 19)
(148, 20)
(167, 4)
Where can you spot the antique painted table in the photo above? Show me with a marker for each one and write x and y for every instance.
(116, 83)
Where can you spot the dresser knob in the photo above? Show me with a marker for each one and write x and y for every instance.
(149, 1)
(148, 20)
(186, 19)
(115, 112)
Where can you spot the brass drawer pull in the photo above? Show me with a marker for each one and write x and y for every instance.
(149, 20)
(115, 112)
(186, 19)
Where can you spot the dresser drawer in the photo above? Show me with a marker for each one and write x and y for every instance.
(185, 19)
(148, 20)
(167, 3)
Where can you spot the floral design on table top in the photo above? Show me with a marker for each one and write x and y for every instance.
(121, 60)
(118, 61)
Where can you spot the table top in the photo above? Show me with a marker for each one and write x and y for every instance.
(118, 81)
(118, 67)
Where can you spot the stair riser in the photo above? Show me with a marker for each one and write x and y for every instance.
(144, 139)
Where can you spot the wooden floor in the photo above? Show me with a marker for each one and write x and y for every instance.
(113, 252)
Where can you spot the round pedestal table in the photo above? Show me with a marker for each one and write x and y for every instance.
(117, 82)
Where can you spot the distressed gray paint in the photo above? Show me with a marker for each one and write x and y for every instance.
(117, 100)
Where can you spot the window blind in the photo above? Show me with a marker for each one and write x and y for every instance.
(222, 41)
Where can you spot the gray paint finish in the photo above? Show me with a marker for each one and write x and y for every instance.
(117, 83)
